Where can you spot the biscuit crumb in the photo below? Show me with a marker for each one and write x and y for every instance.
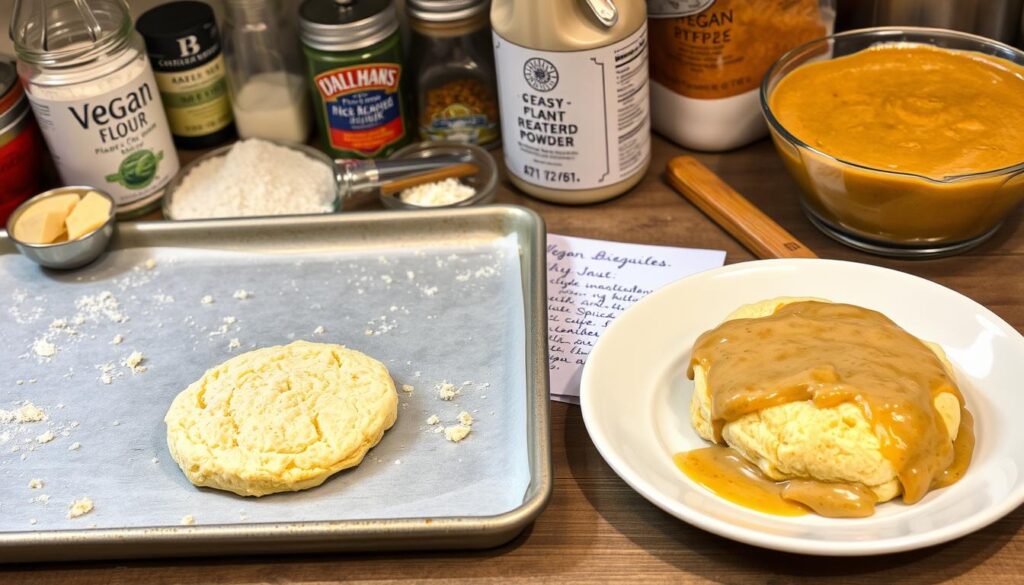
(150, 264)
(44, 348)
(446, 391)
(234, 343)
(134, 362)
(465, 418)
(456, 433)
(80, 507)
(26, 414)
(75, 446)
(35, 484)
(58, 324)
(242, 294)
(46, 437)
(230, 320)
(319, 330)
(206, 300)
(117, 339)
(188, 520)
(407, 388)
(32, 521)
(433, 420)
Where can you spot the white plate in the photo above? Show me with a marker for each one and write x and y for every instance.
(635, 400)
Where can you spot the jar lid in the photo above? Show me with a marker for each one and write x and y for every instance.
(445, 10)
(346, 25)
(175, 19)
(66, 33)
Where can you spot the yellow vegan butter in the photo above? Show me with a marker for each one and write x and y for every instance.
(62, 218)
(90, 213)
(40, 227)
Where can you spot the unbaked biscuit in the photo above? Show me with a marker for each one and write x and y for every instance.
(282, 418)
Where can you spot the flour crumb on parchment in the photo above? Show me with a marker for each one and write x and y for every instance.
(134, 362)
(80, 507)
(456, 433)
(242, 294)
(35, 484)
(188, 520)
(446, 391)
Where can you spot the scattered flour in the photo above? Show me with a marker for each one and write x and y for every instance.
(35, 484)
(242, 294)
(433, 419)
(134, 362)
(44, 348)
(188, 520)
(46, 437)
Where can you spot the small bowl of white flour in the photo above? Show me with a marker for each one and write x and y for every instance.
(476, 189)
(254, 178)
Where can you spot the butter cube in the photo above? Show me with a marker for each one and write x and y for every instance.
(35, 227)
(91, 212)
(62, 204)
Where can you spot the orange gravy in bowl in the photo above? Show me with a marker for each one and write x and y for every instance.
(908, 108)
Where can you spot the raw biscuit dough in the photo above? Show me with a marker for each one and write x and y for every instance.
(282, 418)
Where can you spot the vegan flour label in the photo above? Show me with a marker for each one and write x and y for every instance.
(362, 107)
(574, 120)
(110, 134)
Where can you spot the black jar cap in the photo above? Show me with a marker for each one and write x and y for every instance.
(174, 19)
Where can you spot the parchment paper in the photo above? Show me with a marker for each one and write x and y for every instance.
(433, 315)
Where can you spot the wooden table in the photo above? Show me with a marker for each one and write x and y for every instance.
(597, 529)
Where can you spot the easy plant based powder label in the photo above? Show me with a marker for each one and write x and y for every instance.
(362, 107)
(117, 140)
(574, 120)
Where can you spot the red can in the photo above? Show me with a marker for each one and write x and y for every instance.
(21, 147)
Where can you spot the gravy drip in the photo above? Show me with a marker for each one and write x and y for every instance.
(832, 353)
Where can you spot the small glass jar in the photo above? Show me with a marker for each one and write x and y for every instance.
(94, 95)
(357, 76)
(452, 62)
(268, 91)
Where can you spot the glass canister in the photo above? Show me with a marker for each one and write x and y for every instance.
(452, 61)
(268, 91)
(93, 93)
(354, 62)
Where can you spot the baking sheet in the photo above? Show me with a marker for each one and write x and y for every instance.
(450, 312)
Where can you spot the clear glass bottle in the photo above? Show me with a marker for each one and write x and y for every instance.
(452, 62)
(268, 90)
(93, 92)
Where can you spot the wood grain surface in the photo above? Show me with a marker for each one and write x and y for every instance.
(597, 529)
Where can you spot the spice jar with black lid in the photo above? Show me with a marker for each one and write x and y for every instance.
(452, 61)
(185, 49)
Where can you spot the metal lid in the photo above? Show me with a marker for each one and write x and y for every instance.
(174, 19)
(48, 32)
(445, 10)
(346, 25)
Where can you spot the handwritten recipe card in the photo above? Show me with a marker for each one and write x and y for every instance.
(590, 283)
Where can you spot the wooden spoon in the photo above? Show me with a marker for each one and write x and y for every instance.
(732, 211)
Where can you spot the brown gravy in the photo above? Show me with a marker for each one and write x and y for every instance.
(832, 353)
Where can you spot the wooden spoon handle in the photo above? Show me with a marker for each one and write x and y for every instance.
(738, 216)
(449, 172)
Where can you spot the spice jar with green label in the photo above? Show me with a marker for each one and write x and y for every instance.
(354, 61)
(452, 62)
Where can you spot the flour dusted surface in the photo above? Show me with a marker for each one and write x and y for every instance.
(255, 178)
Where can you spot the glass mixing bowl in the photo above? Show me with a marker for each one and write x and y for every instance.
(882, 211)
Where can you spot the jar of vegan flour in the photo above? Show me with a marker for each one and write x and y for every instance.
(93, 93)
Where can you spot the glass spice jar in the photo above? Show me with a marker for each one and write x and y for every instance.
(452, 62)
(354, 61)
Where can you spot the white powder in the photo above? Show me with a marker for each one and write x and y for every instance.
(437, 194)
(255, 178)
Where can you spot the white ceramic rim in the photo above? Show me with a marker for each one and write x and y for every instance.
(802, 545)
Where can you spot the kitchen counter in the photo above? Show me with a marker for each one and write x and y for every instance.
(597, 529)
